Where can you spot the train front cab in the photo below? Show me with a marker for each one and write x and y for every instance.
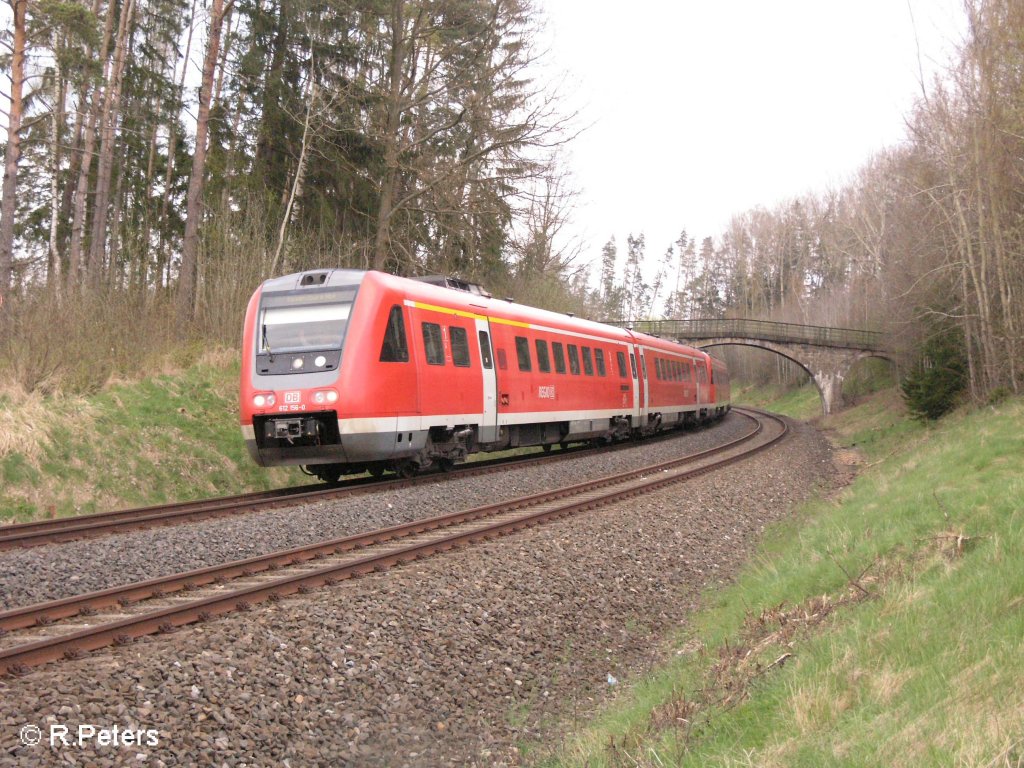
(296, 331)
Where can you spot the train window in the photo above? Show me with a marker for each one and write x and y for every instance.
(502, 362)
(620, 358)
(599, 359)
(460, 346)
(543, 361)
(394, 349)
(523, 353)
(632, 363)
(643, 365)
(588, 362)
(559, 352)
(702, 373)
(485, 350)
(687, 373)
(677, 374)
(574, 360)
(657, 368)
(432, 344)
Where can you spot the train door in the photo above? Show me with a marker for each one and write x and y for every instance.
(489, 419)
(637, 357)
(702, 383)
(635, 412)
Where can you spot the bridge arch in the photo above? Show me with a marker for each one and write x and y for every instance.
(828, 367)
(826, 353)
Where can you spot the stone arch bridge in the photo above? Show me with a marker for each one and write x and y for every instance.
(827, 354)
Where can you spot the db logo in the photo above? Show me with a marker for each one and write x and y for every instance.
(292, 397)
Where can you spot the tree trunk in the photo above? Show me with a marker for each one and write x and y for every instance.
(56, 123)
(108, 121)
(300, 171)
(381, 244)
(8, 199)
(194, 208)
(162, 255)
(75, 262)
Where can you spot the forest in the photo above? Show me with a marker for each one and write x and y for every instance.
(162, 157)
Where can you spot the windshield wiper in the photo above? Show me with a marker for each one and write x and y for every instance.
(266, 344)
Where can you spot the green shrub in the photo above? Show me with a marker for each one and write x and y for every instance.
(934, 386)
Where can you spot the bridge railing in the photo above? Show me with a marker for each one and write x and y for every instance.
(766, 330)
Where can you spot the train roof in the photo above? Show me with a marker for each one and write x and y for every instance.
(451, 293)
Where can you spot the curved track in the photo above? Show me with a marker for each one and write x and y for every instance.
(70, 627)
(42, 532)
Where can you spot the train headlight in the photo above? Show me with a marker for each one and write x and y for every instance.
(320, 361)
(271, 399)
(322, 396)
(297, 363)
(259, 401)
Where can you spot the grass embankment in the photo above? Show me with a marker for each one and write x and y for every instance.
(882, 628)
(166, 438)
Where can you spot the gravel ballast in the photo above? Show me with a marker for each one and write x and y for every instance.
(448, 661)
(61, 570)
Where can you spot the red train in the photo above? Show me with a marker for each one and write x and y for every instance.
(346, 371)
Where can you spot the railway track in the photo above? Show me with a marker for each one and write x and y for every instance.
(73, 626)
(42, 532)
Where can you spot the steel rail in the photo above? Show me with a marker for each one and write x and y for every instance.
(18, 658)
(41, 532)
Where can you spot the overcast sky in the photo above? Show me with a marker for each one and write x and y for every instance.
(702, 109)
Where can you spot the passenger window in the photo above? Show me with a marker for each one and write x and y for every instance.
(657, 368)
(432, 344)
(599, 359)
(460, 346)
(574, 360)
(394, 349)
(687, 373)
(643, 365)
(502, 362)
(588, 362)
(523, 353)
(485, 350)
(543, 361)
(556, 347)
(620, 358)
(702, 374)
(632, 363)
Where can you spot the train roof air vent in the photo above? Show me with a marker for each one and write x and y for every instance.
(314, 278)
(455, 283)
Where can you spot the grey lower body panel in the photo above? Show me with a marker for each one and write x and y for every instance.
(353, 449)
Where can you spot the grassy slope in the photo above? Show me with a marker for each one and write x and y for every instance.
(901, 604)
(169, 437)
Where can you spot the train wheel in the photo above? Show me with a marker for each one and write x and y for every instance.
(406, 469)
(329, 475)
(547, 447)
(446, 465)
(376, 471)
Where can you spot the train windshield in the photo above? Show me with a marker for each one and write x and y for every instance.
(304, 328)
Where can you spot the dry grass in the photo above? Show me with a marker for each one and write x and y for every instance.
(23, 416)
